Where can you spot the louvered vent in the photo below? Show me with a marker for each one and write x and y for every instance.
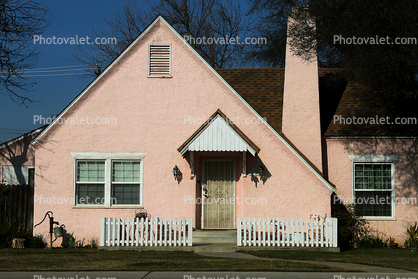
(159, 61)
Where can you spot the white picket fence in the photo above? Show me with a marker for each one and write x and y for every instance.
(280, 232)
(146, 232)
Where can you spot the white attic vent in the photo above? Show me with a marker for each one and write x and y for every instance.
(159, 61)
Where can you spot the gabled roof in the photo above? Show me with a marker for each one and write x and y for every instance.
(218, 134)
(263, 90)
(21, 137)
(298, 154)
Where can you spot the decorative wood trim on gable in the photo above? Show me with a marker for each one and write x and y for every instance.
(159, 61)
(240, 143)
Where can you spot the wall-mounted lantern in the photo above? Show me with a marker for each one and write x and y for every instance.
(259, 172)
(176, 172)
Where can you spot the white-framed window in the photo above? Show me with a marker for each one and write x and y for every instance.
(159, 61)
(374, 186)
(108, 179)
(17, 174)
(126, 181)
(90, 182)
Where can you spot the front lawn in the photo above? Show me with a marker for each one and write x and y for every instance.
(100, 260)
(396, 258)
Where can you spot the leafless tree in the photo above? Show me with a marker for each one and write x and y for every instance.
(195, 19)
(20, 20)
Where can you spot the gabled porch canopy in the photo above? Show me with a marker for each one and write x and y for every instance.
(219, 134)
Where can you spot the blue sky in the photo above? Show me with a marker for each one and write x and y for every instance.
(70, 18)
(57, 87)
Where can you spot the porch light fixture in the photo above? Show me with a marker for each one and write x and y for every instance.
(176, 172)
(261, 171)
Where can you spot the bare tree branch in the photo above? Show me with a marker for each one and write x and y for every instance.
(19, 21)
(195, 19)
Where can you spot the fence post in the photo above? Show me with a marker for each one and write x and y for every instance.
(190, 232)
(239, 231)
(335, 232)
(102, 231)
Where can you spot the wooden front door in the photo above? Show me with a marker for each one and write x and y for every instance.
(218, 194)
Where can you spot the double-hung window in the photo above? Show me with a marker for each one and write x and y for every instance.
(90, 182)
(374, 186)
(126, 182)
(108, 179)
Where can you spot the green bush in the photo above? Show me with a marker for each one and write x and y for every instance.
(94, 243)
(72, 242)
(351, 227)
(33, 241)
(370, 241)
(412, 241)
(9, 229)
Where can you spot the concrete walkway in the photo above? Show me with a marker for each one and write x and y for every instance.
(364, 272)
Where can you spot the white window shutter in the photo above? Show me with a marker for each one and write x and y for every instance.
(160, 60)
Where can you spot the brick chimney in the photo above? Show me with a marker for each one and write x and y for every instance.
(301, 117)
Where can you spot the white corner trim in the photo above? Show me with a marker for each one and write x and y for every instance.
(104, 156)
(373, 158)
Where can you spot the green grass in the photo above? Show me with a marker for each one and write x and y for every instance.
(101, 260)
(395, 258)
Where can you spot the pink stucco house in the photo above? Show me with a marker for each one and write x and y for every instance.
(257, 136)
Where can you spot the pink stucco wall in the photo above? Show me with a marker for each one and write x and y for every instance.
(150, 115)
(406, 175)
(301, 118)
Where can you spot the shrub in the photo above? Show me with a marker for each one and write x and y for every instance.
(370, 241)
(412, 241)
(94, 243)
(351, 228)
(9, 229)
(72, 242)
(33, 241)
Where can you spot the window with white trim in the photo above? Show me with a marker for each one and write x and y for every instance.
(126, 182)
(90, 181)
(159, 61)
(374, 186)
(108, 179)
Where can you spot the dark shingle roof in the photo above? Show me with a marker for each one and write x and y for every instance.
(263, 90)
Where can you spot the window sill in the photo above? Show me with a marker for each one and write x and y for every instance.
(160, 76)
(379, 218)
(85, 206)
